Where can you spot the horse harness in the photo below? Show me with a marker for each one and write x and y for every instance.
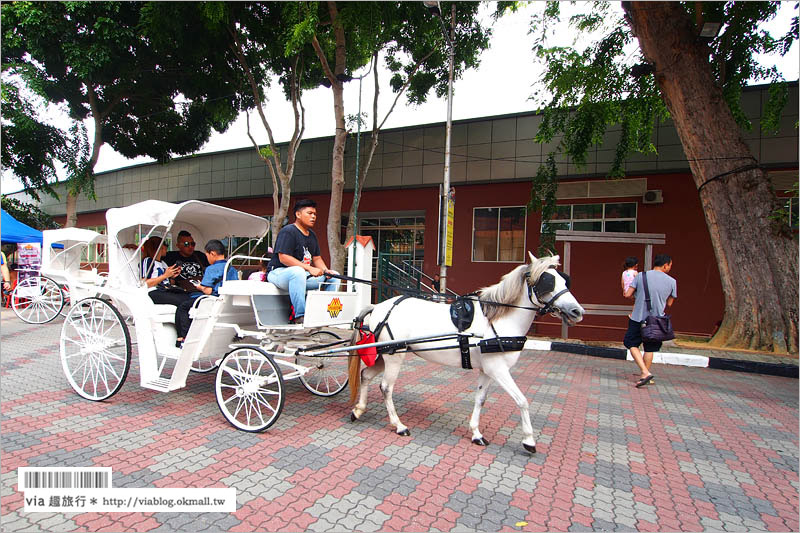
(462, 313)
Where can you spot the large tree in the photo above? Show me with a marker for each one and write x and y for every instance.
(94, 58)
(346, 36)
(247, 41)
(698, 82)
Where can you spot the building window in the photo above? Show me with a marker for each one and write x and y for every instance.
(95, 252)
(619, 217)
(498, 234)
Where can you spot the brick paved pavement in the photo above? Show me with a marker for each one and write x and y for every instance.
(700, 450)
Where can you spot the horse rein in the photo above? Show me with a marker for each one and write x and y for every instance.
(542, 309)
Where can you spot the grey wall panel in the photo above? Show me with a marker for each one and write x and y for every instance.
(478, 171)
(433, 173)
(504, 129)
(479, 132)
(412, 175)
(434, 137)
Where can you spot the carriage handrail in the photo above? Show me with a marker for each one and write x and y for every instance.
(230, 260)
(142, 240)
(65, 250)
(407, 263)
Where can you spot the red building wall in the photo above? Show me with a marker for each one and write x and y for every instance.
(595, 267)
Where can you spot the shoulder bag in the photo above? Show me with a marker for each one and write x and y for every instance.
(655, 328)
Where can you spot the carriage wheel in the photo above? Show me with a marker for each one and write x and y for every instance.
(250, 389)
(37, 300)
(95, 349)
(328, 375)
(204, 365)
(67, 301)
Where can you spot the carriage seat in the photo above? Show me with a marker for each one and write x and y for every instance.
(164, 313)
(246, 287)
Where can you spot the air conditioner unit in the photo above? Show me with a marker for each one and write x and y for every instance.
(652, 197)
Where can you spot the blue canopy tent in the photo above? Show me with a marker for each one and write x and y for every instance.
(13, 231)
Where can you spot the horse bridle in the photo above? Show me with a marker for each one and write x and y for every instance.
(545, 284)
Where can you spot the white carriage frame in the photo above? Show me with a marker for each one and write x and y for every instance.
(219, 323)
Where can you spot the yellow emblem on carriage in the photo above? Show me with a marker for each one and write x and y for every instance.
(335, 307)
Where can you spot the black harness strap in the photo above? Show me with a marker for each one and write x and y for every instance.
(463, 345)
(385, 321)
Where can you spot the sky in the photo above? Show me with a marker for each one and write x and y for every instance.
(503, 83)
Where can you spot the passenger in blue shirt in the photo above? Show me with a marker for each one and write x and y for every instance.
(210, 284)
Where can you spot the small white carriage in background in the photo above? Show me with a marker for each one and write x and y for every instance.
(40, 298)
(245, 331)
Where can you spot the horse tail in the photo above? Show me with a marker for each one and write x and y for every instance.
(354, 365)
(354, 368)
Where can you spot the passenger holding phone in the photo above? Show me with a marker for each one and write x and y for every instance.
(157, 275)
(191, 262)
(210, 284)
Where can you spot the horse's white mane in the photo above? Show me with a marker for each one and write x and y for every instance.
(508, 289)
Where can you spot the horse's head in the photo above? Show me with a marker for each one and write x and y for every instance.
(548, 289)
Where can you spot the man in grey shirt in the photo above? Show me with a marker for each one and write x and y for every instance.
(663, 291)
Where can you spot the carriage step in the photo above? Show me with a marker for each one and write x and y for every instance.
(159, 384)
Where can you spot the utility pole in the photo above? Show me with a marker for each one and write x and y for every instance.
(445, 199)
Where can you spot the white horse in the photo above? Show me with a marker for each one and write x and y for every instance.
(507, 309)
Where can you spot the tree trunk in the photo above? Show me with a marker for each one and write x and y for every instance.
(757, 261)
(335, 246)
(72, 210)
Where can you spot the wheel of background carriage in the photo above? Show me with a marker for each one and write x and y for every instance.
(250, 389)
(37, 300)
(328, 375)
(95, 349)
(67, 301)
(205, 365)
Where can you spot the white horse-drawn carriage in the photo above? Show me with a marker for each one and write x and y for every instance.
(245, 332)
(41, 297)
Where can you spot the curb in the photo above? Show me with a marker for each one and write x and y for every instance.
(671, 358)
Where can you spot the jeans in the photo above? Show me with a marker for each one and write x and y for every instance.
(296, 280)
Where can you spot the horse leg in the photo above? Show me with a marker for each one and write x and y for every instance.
(393, 364)
(367, 375)
(480, 399)
(503, 377)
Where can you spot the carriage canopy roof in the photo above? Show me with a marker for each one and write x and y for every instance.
(205, 221)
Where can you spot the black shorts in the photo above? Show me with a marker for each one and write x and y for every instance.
(633, 338)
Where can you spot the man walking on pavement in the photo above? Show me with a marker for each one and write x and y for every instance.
(663, 291)
(296, 264)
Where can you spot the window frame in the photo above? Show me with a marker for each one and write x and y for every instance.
(603, 219)
(524, 233)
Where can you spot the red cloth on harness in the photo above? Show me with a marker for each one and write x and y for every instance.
(370, 354)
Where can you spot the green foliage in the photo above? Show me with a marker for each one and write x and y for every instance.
(587, 92)
(29, 214)
(107, 60)
(407, 34)
(30, 148)
(782, 220)
(543, 200)
(265, 152)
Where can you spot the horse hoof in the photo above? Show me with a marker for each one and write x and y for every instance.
(404, 433)
(529, 448)
(353, 417)
(480, 442)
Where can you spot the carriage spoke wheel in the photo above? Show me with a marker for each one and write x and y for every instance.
(250, 389)
(95, 349)
(37, 300)
(67, 301)
(204, 365)
(328, 375)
